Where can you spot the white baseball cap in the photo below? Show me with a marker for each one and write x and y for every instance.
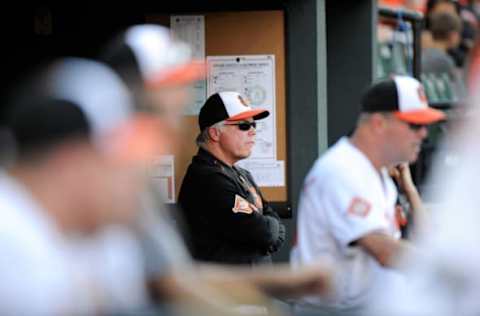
(405, 97)
(152, 52)
(75, 97)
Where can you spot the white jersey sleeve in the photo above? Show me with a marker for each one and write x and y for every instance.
(353, 210)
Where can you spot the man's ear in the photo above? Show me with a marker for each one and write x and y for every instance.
(214, 133)
(380, 122)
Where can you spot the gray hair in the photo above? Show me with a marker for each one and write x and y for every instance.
(204, 137)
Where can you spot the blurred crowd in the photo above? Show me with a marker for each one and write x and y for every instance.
(449, 30)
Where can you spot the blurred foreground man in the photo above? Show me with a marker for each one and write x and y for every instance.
(75, 172)
(445, 281)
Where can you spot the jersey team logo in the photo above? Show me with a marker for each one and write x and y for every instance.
(242, 206)
(359, 207)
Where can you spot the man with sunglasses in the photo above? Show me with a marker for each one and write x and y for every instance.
(229, 220)
(347, 205)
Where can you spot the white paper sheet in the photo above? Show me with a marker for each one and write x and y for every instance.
(191, 29)
(253, 76)
(266, 173)
(163, 177)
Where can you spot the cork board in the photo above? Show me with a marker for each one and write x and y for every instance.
(240, 33)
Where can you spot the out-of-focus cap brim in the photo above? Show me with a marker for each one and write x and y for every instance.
(179, 75)
(424, 116)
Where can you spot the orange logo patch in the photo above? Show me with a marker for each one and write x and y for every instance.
(359, 207)
(242, 206)
(421, 94)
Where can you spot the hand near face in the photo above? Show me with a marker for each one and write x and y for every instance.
(402, 175)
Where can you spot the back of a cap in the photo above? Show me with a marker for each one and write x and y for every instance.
(149, 53)
(69, 97)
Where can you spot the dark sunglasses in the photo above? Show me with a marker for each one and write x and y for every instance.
(245, 126)
(416, 127)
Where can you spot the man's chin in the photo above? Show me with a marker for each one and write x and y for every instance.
(413, 158)
(245, 156)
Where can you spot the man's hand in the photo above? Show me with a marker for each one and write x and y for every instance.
(311, 280)
(283, 282)
(279, 280)
(402, 175)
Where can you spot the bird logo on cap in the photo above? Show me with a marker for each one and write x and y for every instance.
(421, 94)
(242, 101)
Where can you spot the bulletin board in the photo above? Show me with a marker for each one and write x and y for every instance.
(240, 33)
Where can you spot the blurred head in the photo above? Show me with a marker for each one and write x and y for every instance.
(436, 6)
(397, 114)
(446, 27)
(74, 127)
(228, 126)
(159, 70)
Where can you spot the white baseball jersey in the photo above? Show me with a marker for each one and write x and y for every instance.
(44, 273)
(344, 198)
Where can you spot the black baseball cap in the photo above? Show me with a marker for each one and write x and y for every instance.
(405, 97)
(227, 106)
